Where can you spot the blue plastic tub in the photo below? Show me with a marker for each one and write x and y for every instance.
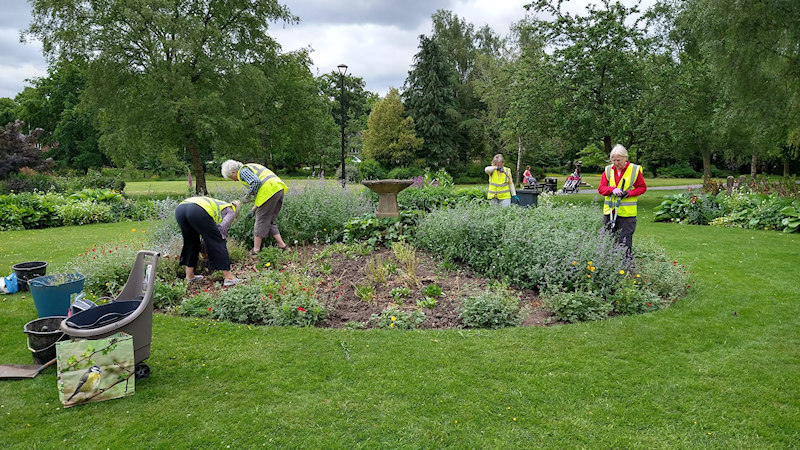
(51, 293)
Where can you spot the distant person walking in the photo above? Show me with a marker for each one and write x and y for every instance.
(268, 190)
(501, 185)
(208, 218)
(621, 181)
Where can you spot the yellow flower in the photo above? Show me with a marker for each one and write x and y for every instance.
(588, 276)
(638, 276)
(574, 263)
(589, 263)
(391, 325)
(592, 268)
(515, 419)
(133, 229)
(622, 272)
(267, 264)
(393, 318)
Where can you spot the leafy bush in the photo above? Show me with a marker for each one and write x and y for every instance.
(743, 210)
(494, 308)
(201, 305)
(404, 173)
(84, 212)
(578, 306)
(435, 197)
(679, 170)
(28, 211)
(18, 183)
(169, 293)
(394, 317)
(243, 304)
(633, 299)
(371, 170)
(376, 231)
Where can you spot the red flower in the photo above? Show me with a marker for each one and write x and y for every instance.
(94, 250)
(301, 309)
(209, 308)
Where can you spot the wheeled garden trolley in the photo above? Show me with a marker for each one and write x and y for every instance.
(131, 312)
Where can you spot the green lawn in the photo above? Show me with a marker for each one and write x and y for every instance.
(719, 369)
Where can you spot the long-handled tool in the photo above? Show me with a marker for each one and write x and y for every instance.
(19, 371)
(612, 222)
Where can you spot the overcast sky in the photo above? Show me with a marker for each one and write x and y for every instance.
(377, 39)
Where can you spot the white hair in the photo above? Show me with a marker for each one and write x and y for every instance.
(230, 168)
(498, 158)
(618, 150)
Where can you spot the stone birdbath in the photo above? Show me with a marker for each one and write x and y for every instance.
(387, 191)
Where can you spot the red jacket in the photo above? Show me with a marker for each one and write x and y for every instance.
(605, 190)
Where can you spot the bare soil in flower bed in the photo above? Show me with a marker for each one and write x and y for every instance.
(339, 274)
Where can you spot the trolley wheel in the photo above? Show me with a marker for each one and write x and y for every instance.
(142, 371)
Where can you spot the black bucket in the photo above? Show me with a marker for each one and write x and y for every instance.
(42, 337)
(27, 271)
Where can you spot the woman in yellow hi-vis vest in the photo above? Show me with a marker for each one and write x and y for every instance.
(208, 218)
(501, 184)
(621, 184)
(268, 190)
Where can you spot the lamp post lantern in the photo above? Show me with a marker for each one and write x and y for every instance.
(342, 71)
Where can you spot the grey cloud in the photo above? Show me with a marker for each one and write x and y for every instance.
(16, 14)
(15, 53)
(402, 14)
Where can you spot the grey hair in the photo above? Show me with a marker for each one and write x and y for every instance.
(498, 157)
(618, 150)
(230, 168)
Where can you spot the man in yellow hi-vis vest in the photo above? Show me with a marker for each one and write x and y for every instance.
(501, 183)
(621, 184)
(268, 190)
(208, 218)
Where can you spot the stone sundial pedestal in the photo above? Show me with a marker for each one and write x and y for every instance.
(387, 191)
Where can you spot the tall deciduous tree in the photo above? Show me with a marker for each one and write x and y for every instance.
(161, 71)
(8, 111)
(753, 49)
(358, 103)
(429, 100)
(390, 138)
(599, 58)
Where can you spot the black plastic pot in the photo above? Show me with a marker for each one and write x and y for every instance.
(28, 271)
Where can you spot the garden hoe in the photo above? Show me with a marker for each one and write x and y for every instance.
(20, 371)
(612, 222)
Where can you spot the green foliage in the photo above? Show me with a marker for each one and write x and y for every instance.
(495, 308)
(376, 231)
(791, 220)
(432, 290)
(577, 306)
(96, 195)
(29, 211)
(757, 211)
(243, 304)
(678, 170)
(314, 213)
(631, 298)
(404, 173)
(371, 170)
(169, 293)
(438, 178)
(365, 292)
(272, 257)
(200, 305)
(427, 302)
(434, 197)
(399, 293)
(394, 317)
(390, 137)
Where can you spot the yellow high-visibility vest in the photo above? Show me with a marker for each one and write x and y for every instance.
(212, 206)
(627, 206)
(270, 183)
(498, 184)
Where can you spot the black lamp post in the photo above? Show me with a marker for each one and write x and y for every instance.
(342, 71)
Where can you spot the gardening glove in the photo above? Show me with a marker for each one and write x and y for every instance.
(252, 211)
(517, 199)
(625, 194)
(618, 192)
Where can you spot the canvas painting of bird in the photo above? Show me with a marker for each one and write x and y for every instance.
(88, 383)
(94, 370)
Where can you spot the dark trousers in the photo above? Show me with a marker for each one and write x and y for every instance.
(194, 222)
(623, 232)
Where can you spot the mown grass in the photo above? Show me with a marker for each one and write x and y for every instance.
(719, 369)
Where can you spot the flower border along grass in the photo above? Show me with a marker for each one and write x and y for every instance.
(719, 369)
